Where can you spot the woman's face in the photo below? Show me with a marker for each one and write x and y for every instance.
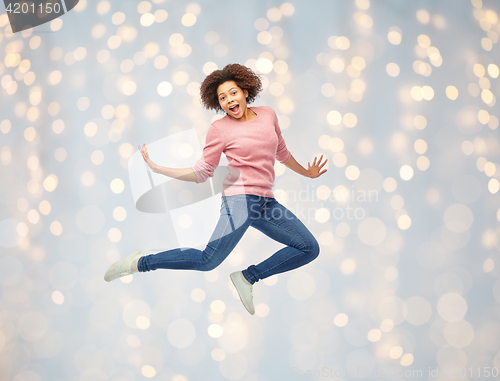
(233, 99)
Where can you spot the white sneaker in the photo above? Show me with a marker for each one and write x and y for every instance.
(123, 267)
(244, 291)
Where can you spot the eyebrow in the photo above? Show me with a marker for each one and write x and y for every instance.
(223, 91)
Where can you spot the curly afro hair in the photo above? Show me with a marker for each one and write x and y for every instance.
(244, 77)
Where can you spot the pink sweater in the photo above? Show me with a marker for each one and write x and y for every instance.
(251, 149)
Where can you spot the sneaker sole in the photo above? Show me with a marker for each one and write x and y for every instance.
(251, 313)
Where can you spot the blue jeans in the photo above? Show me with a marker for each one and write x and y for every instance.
(237, 213)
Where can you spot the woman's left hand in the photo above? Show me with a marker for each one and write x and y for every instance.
(315, 169)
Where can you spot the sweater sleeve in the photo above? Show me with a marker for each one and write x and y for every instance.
(282, 153)
(208, 162)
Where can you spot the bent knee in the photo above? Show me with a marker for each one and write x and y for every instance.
(208, 265)
(313, 247)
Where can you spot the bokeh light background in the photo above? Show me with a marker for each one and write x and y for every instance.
(400, 96)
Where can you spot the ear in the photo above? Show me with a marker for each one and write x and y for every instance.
(246, 93)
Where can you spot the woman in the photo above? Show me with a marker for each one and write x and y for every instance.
(251, 140)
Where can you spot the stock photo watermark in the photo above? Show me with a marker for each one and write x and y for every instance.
(28, 14)
(336, 204)
(363, 372)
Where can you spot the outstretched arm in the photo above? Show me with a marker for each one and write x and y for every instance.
(186, 174)
(311, 171)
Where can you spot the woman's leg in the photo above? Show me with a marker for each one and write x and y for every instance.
(233, 222)
(278, 223)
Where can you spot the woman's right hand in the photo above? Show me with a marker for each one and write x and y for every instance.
(145, 156)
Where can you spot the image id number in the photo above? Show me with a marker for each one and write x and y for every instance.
(32, 8)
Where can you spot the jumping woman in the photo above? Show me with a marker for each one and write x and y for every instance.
(251, 140)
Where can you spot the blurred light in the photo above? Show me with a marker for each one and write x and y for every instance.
(108, 112)
(118, 18)
(394, 35)
(274, 14)
(176, 39)
(484, 83)
(103, 7)
(114, 42)
(404, 222)
(188, 19)
(191, 8)
(348, 266)
(287, 9)
(374, 335)
(451, 307)
(350, 120)
(55, 77)
(184, 50)
(337, 65)
(217, 306)
(420, 122)
(218, 354)
(56, 228)
(127, 33)
(57, 297)
(180, 78)
(215, 331)
(50, 183)
(117, 186)
(286, 106)
(142, 322)
(164, 89)
(211, 38)
(35, 42)
(452, 92)
(342, 43)
(341, 320)
(424, 41)
(322, 215)
(479, 70)
(264, 65)
(103, 56)
(44, 207)
(90, 129)
(392, 69)
(328, 90)
(396, 352)
(493, 186)
(97, 157)
(493, 70)
(56, 24)
(386, 325)
(5, 126)
(148, 371)
(198, 295)
(82, 104)
(160, 15)
(486, 43)
(129, 87)
(161, 62)
(406, 172)
(88, 178)
(143, 7)
(334, 117)
(423, 16)
(391, 274)
(98, 30)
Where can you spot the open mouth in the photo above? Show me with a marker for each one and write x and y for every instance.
(235, 109)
